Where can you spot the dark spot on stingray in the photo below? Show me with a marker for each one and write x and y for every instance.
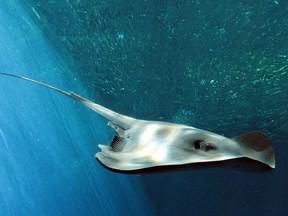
(197, 144)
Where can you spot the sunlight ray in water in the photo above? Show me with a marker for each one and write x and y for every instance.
(4, 139)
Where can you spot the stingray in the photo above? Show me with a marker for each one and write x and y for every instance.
(140, 144)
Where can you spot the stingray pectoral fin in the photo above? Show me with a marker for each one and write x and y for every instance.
(105, 148)
(119, 161)
(255, 145)
(107, 160)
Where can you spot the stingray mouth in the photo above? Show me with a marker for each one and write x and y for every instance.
(118, 142)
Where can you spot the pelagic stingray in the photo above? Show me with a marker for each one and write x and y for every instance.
(141, 145)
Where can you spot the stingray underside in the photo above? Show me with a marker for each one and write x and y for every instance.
(160, 146)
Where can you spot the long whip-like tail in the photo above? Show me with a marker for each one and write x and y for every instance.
(121, 120)
(37, 82)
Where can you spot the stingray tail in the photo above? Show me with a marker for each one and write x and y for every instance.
(256, 146)
(124, 122)
(37, 82)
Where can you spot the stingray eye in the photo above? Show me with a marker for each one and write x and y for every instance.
(197, 144)
(208, 147)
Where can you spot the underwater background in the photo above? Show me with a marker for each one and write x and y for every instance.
(217, 65)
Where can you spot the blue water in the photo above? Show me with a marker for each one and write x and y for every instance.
(216, 65)
(48, 142)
